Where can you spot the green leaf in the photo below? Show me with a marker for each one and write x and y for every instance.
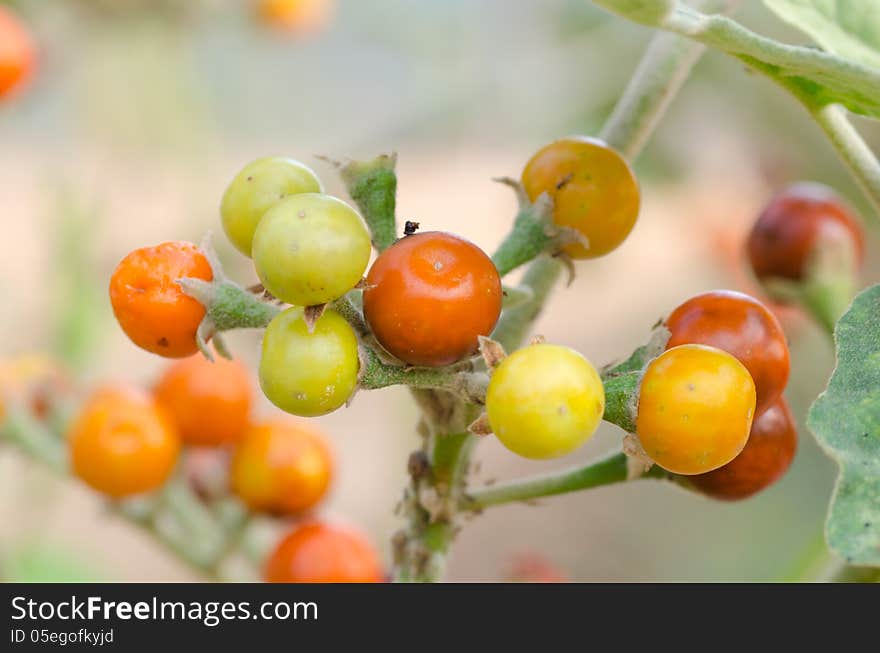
(846, 421)
(849, 28)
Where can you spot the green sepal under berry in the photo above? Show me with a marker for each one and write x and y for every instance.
(533, 233)
(846, 421)
(227, 305)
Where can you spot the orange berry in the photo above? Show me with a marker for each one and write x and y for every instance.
(696, 405)
(17, 53)
(123, 443)
(148, 303)
(323, 553)
(281, 466)
(209, 402)
(297, 16)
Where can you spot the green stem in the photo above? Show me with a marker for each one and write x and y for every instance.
(34, 439)
(607, 471)
(853, 150)
(469, 386)
(660, 75)
(516, 322)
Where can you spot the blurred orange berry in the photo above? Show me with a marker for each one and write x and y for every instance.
(300, 17)
(323, 553)
(535, 568)
(282, 466)
(123, 443)
(210, 402)
(17, 53)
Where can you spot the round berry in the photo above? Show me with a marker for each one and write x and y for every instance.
(304, 373)
(281, 467)
(256, 189)
(430, 296)
(765, 458)
(593, 190)
(323, 553)
(741, 326)
(17, 53)
(544, 401)
(311, 249)
(148, 303)
(209, 402)
(696, 405)
(795, 225)
(123, 443)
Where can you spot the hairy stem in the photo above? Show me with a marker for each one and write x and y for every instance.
(853, 150)
(469, 386)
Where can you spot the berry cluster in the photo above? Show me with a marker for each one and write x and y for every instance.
(706, 404)
(126, 441)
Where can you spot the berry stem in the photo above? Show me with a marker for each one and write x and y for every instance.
(607, 471)
(468, 386)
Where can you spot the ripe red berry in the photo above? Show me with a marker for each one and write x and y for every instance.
(742, 326)
(797, 222)
(429, 296)
(765, 458)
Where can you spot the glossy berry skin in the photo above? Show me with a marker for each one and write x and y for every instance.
(17, 54)
(123, 443)
(281, 466)
(318, 552)
(696, 406)
(544, 401)
(593, 190)
(311, 249)
(150, 306)
(209, 402)
(429, 296)
(741, 326)
(765, 458)
(309, 374)
(256, 189)
(796, 223)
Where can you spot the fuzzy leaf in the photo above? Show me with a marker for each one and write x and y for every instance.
(846, 421)
(849, 28)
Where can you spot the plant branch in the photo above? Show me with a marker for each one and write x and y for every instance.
(467, 385)
(610, 470)
(853, 150)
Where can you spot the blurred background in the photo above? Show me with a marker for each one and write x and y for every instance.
(141, 112)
